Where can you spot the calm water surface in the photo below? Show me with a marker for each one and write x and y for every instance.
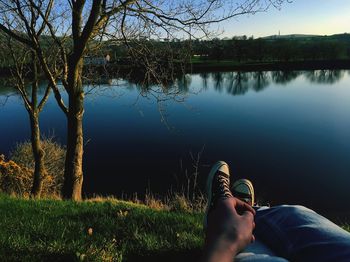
(289, 132)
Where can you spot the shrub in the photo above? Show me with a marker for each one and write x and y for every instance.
(19, 170)
(14, 179)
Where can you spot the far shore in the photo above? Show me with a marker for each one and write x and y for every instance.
(202, 65)
(198, 66)
(212, 65)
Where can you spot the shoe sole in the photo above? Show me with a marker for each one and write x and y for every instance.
(212, 172)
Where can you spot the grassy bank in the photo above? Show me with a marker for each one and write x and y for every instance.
(53, 230)
(97, 230)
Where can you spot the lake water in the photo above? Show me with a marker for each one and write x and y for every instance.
(289, 132)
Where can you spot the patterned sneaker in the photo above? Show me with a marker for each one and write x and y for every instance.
(218, 186)
(243, 189)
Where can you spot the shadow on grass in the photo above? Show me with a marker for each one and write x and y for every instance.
(12, 254)
(168, 256)
(30, 255)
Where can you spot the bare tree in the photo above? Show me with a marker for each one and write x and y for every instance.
(73, 28)
(24, 67)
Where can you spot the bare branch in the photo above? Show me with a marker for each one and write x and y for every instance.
(56, 39)
(52, 81)
(44, 17)
(44, 98)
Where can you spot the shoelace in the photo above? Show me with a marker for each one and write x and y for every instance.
(224, 185)
(220, 189)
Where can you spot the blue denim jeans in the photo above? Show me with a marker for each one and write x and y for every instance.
(296, 233)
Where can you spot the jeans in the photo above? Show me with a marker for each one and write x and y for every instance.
(296, 233)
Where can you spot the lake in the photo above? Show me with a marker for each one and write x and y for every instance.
(288, 132)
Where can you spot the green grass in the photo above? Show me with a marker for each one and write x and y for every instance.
(54, 230)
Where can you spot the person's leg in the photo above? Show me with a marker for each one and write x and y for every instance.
(243, 189)
(299, 234)
(294, 232)
(228, 222)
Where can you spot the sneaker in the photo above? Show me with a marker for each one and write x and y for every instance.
(218, 186)
(243, 189)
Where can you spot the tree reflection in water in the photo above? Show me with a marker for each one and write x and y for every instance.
(218, 81)
(284, 77)
(237, 83)
(183, 83)
(205, 80)
(324, 76)
(261, 80)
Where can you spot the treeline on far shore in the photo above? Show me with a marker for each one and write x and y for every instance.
(291, 52)
(275, 48)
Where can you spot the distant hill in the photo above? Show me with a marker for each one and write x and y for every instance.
(289, 36)
(300, 36)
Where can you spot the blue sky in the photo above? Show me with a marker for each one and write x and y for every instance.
(322, 17)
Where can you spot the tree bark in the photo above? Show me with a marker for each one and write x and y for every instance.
(38, 154)
(73, 173)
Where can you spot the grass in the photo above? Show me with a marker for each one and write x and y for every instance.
(98, 230)
(54, 230)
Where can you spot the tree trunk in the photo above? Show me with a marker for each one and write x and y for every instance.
(38, 154)
(73, 173)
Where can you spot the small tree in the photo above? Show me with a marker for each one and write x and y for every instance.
(24, 67)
